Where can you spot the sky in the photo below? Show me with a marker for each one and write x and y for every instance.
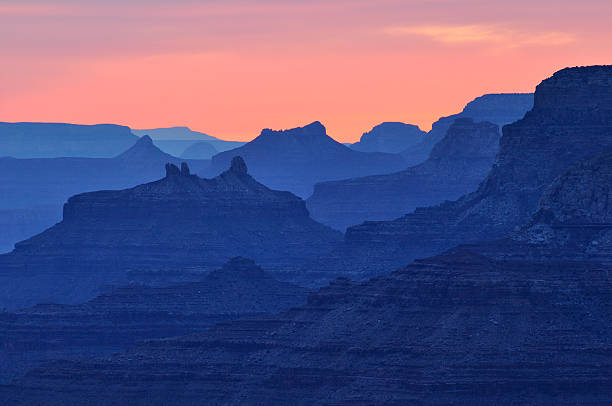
(230, 68)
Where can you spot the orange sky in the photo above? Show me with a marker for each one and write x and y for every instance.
(230, 68)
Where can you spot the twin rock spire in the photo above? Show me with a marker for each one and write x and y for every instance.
(238, 167)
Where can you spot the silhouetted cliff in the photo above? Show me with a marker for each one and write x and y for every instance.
(458, 163)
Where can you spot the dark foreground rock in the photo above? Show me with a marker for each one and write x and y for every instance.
(455, 329)
(457, 164)
(117, 320)
(178, 223)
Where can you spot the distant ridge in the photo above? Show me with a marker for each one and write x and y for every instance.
(176, 140)
(52, 140)
(496, 108)
(391, 137)
(297, 158)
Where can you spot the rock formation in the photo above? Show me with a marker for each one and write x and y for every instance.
(500, 109)
(181, 221)
(296, 159)
(457, 164)
(117, 320)
(389, 137)
(573, 220)
(32, 191)
(52, 140)
(456, 329)
(571, 120)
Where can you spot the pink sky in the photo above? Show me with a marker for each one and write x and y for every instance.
(230, 68)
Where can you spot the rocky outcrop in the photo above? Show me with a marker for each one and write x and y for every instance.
(181, 221)
(52, 140)
(500, 109)
(571, 120)
(116, 320)
(296, 159)
(456, 329)
(457, 164)
(391, 137)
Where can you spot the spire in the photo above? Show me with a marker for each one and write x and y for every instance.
(238, 166)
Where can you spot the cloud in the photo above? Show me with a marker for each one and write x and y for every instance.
(483, 33)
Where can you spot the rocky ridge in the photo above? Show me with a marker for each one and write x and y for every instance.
(176, 223)
(459, 328)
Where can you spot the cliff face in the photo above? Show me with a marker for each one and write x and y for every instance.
(296, 159)
(116, 320)
(571, 120)
(458, 163)
(573, 220)
(500, 109)
(51, 140)
(389, 137)
(459, 328)
(181, 221)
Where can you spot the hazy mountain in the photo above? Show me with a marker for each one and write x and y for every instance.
(389, 137)
(51, 140)
(457, 164)
(199, 150)
(177, 223)
(296, 159)
(176, 140)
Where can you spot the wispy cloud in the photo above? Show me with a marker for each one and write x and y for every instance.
(483, 33)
